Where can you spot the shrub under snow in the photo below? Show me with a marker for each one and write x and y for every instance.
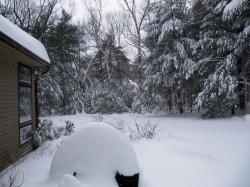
(46, 131)
(143, 131)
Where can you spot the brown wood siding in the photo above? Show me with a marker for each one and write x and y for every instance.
(10, 150)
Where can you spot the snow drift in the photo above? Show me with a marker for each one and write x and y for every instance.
(93, 155)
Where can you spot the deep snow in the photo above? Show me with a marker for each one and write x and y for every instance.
(187, 151)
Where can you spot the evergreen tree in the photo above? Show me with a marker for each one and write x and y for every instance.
(110, 62)
(198, 57)
(237, 14)
(168, 66)
(62, 43)
(219, 65)
(108, 89)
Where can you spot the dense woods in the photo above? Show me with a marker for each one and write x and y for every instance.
(164, 55)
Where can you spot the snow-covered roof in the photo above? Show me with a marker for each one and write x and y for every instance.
(22, 38)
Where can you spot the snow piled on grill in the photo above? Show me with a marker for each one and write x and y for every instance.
(94, 155)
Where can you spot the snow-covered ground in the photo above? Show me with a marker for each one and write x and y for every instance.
(186, 152)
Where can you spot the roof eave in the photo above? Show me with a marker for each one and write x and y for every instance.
(22, 49)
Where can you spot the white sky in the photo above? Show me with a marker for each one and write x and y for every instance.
(109, 6)
(80, 11)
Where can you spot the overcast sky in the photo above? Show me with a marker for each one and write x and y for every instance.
(80, 11)
(109, 5)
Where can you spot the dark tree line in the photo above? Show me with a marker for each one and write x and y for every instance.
(188, 57)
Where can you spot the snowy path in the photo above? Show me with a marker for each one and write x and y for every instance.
(187, 152)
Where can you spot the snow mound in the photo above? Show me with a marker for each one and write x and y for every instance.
(70, 181)
(94, 155)
(247, 117)
(24, 39)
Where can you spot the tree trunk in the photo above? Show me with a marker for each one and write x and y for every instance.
(179, 102)
(232, 110)
(241, 95)
(169, 100)
(241, 87)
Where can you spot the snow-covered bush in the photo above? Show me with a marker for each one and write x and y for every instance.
(95, 156)
(146, 130)
(102, 99)
(109, 97)
(37, 140)
(58, 132)
(98, 118)
(47, 132)
(69, 128)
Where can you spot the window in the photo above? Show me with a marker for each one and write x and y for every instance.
(25, 103)
(25, 133)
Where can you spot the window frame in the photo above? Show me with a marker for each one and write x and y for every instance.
(27, 85)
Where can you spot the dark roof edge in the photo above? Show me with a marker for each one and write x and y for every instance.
(22, 49)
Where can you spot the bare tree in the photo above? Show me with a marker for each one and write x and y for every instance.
(138, 15)
(117, 23)
(31, 15)
(93, 27)
(5, 7)
(102, 31)
(95, 31)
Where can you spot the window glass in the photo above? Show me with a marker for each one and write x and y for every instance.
(24, 74)
(24, 104)
(25, 133)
